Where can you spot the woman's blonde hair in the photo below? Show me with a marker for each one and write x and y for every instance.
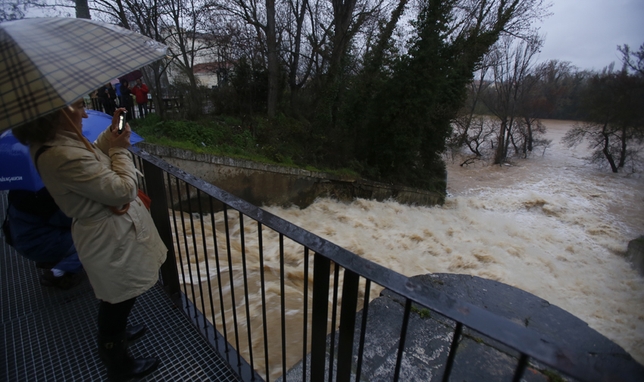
(39, 131)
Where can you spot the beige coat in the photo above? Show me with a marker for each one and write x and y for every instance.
(121, 254)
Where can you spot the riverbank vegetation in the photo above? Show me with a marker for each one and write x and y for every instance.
(508, 98)
(365, 85)
(383, 89)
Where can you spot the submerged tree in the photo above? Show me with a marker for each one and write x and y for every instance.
(614, 126)
(507, 100)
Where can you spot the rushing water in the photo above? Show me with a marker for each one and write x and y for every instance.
(551, 225)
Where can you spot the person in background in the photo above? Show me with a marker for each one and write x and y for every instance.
(119, 96)
(126, 97)
(95, 100)
(101, 95)
(112, 99)
(141, 91)
(41, 232)
(107, 97)
(117, 242)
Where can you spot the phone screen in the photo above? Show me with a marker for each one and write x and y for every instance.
(121, 122)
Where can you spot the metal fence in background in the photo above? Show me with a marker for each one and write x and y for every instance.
(267, 293)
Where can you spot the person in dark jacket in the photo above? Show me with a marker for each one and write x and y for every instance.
(107, 97)
(41, 232)
(126, 96)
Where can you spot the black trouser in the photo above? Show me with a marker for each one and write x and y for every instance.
(112, 318)
(143, 110)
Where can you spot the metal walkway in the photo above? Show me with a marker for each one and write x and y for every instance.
(50, 335)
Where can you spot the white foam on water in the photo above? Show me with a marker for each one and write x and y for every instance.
(552, 226)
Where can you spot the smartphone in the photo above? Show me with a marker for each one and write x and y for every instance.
(121, 122)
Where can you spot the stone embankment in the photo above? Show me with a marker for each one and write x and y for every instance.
(264, 184)
(635, 254)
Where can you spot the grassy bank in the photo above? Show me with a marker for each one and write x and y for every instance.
(230, 137)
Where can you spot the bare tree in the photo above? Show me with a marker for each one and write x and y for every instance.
(614, 126)
(465, 120)
(15, 9)
(475, 132)
(512, 65)
(262, 17)
(632, 60)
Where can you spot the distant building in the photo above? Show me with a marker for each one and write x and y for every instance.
(209, 68)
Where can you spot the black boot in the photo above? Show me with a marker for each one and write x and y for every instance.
(120, 365)
(134, 332)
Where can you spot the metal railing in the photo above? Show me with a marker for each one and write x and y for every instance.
(268, 294)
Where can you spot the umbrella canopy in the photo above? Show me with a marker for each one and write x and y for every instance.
(48, 63)
(17, 172)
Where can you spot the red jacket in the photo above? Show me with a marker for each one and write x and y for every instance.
(141, 93)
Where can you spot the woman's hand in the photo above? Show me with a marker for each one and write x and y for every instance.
(122, 139)
(115, 118)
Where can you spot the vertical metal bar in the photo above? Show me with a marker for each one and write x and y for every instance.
(245, 273)
(185, 240)
(282, 306)
(403, 337)
(523, 364)
(321, 273)
(263, 286)
(452, 351)
(306, 312)
(232, 283)
(176, 233)
(207, 264)
(363, 328)
(218, 266)
(205, 257)
(195, 248)
(336, 277)
(156, 190)
(347, 324)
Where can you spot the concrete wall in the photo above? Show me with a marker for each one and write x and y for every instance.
(635, 254)
(263, 184)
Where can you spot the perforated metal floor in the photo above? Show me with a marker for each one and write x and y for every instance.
(50, 335)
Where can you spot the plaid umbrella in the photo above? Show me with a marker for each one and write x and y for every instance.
(48, 63)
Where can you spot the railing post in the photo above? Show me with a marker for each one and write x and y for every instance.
(320, 306)
(347, 325)
(155, 188)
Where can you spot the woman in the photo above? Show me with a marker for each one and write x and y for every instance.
(116, 240)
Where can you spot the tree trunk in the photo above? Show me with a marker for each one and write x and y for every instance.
(529, 138)
(607, 153)
(342, 16)
(295, 62)
(82, 9)
(622, 151)
(273, 61)
(499, 156)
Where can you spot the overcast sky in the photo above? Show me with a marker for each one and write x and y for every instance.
(587, 32)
